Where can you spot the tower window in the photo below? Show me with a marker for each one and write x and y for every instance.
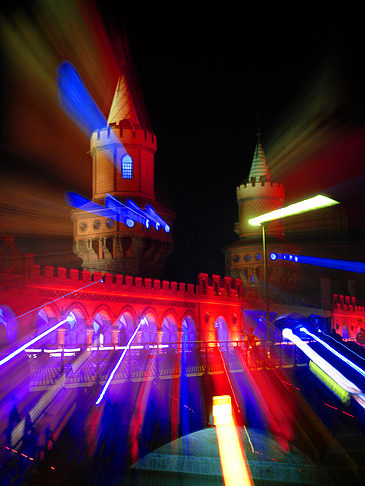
(127, 166)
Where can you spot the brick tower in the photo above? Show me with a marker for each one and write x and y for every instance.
(124, 171)
(243, 258)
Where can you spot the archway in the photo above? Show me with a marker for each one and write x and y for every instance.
(221, 331)
(169, 330)
(102, 328)
(188, 331)
(148, 331)
(345, 332)
(8, 326)
(45, 319)
(75, 328)
(126, 326)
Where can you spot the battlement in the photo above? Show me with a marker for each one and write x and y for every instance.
(221, 287)
(260, 189)
(112, 135)
(346, 303)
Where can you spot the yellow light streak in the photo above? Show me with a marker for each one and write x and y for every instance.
(310, 204)
(234, 465)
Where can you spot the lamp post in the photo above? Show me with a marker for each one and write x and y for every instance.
(316, 202)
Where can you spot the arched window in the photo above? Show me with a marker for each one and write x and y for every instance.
(127, 167)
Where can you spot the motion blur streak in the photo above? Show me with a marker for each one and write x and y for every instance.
(34, 340)
(118, 364)
(322, 363)
(47, 399)
(336, 353)
(234, 465)
(34, 43)
(77, 102)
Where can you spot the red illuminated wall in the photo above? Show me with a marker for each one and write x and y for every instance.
(203, 304)
(347, 316)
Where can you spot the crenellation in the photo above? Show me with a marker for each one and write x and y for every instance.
(86, 276)
(108, 278)
(49, 271)
(62, 273)
(214, 285)
(97, 276)
(112, 135)
(74, 274)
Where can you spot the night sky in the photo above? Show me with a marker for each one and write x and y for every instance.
(206, 73)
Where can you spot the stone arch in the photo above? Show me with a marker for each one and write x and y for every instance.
(149, 328)
(102, 326)
(8, 326)
(47, 316)
(345, 331)
(188, 329)
(76, 328)
(221, 329)
(126, 324)
(169, 332)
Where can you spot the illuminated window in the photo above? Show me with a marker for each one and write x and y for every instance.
(127, 166)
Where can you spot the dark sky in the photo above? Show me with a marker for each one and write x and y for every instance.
(205, 74)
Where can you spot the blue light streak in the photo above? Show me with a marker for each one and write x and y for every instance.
(34, 340)
(77, 102)
(127, 212)
(349, 266)
(338, 377)
(117, 365)
(336, 353)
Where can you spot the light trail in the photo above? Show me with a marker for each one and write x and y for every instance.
(338, 377)
(345, 265)
(336, 353)
(12, 355)
(59, 298)
(103, 391)
(234, 465)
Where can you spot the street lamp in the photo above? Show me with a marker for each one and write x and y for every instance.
(316, 202)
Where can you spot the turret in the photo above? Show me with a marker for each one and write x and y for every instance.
(258, 196)
(123, 167)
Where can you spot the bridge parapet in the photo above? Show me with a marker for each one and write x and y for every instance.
(224, 288)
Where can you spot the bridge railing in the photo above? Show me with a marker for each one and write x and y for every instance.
(152, 361)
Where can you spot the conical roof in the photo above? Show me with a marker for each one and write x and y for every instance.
(259, 167)
(122, 107)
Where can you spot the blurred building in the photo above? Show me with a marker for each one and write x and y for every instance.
(244, 258)
(128, 247)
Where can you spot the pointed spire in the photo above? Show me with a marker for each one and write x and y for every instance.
(122, 107)
(259, 167)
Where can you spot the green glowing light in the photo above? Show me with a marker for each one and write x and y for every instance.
(310, 204)
(335, 388)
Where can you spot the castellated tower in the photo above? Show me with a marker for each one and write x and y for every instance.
(105, 244)
(243, 258)
(258, 196)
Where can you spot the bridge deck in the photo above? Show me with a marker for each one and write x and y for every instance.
(87, 368)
